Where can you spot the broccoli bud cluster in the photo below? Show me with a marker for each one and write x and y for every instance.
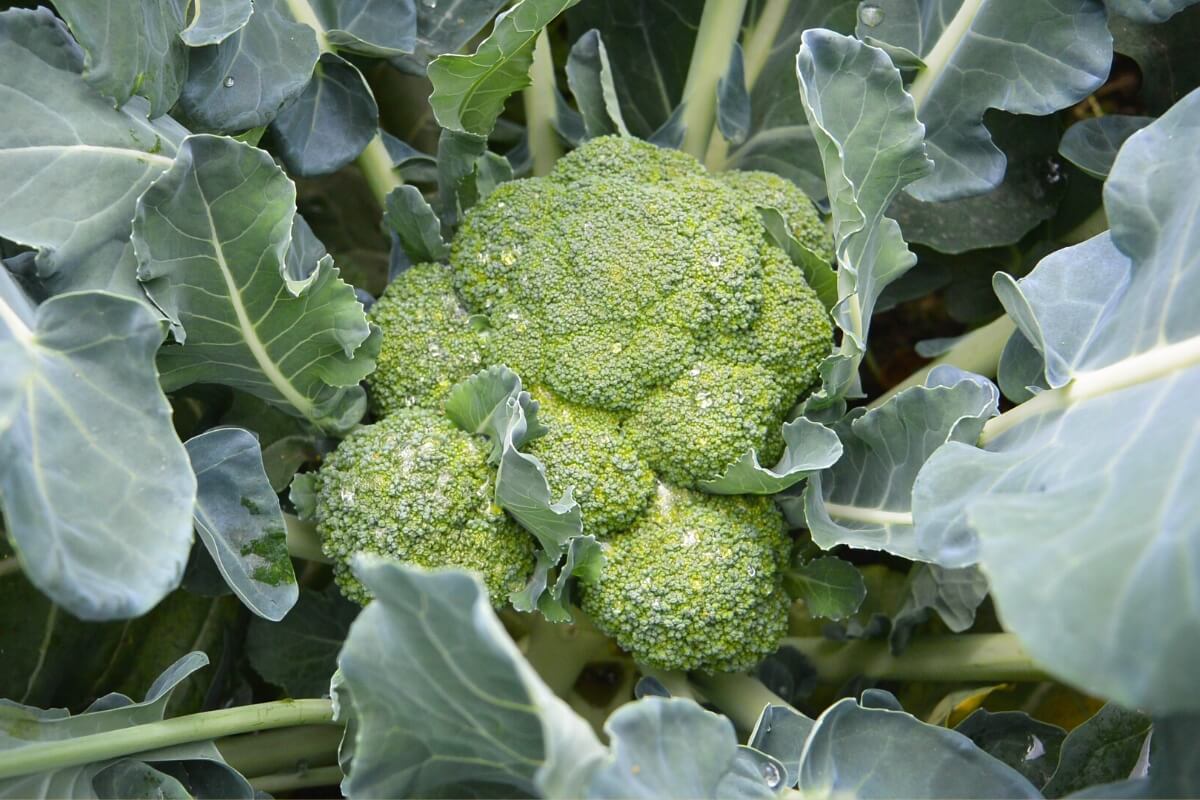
(663, 334)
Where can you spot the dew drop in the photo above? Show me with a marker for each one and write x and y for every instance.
(771, 774)
(429, 3)
(229, 82)
(870, 15)
(1035, 750)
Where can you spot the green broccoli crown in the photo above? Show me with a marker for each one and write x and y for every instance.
(416, 488)
(696, 583)
(432, 344)
(768, 190)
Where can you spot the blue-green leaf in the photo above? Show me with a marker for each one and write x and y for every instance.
(239, 520)
(445, 26)
(79, 398)
(1092, 144)
(211, 236)
(58, 132)
(590, 77)
(1102, 750)
(416, 225)
(1025, 744)
(871, 147)
(469, 91)
(132, 48)
(830, 587)
(1148, 11)
(374, 28)
(810, 447)
(214, 21)
(733, 100)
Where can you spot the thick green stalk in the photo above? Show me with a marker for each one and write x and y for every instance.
(739, 697)
(559, 652)
(376, 166)
(720, 24)
(756, 51)
(979, 351)
(962, 657)
(301, 779)
(939, 57)
(45, 756)
(281, 751)
(541, 112)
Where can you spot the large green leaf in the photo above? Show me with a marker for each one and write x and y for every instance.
(1025, 58)
(865, 499)
(211, 237)
(1102, 750)
(239, 520)
(213, 21)
(590, 76)
(1025, 744)
(881, 753)
(242, 82)
(376, 28)
(299, 653)
(469, 91)
(1092, 144)
(132, 48)
(1148, 11)
(446, 26)
(809, 448)
(672, 748)
(1078, 507)
(443, 703)
(870, 144)
(79, 398)
(64, 147)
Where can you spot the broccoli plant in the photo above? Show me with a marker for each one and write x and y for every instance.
(568, 398)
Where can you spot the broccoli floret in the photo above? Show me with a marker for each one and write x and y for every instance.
(416, 488)
(689, 431)
(429, 343)
(586, 450)
(696, 583)
(769, 190)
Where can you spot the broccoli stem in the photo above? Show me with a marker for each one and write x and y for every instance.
(673, 681)
(9, 566)
(757, 48)
(45, 756)
(739, 697)
(303, 541)
(720, 24)
(302, 11)
(979, 351)
(376, 166)
(943, 50)
(300, 779)
(559, 652)
(541, 112)
(281, 751)
(961, 657)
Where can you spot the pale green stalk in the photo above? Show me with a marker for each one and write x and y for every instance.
(939, 57)
(541, 112)
(739, 697)
(720, 24)
(301, 779)
(559, 652)
(46, 756)
(962, 657)
(281, 751)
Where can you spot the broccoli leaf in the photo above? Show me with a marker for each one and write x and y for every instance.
(132, 48)
(416, 224)
(1148, 11)
(442, 701)
(1092, 144)
(870, 144)
(329, 123)
(299, 653)
(979, 54)
(59, 133)
(883, 753)
(446, 26)
(469, 91)
(239, 520)
(211, 236)
(865, 499)
(1102, 750)
(1068, 498)
(373, 28)
(590, 77)
(829, 587)
(733, 100)
(79, 397)
(1025, 744)
(242, 82)
(214, 21)
(810, 447)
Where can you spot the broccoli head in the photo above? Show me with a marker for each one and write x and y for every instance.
(663, 335)
(416, 488)
(696, 583)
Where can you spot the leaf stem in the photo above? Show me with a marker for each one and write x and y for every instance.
(979, 351)
(541, 113)
(286, 750)
(45, 756)
(961, 657)
(300, 779)
(757, 49)
(303, 541)
(739, 697)
(937, 58)
(375, 163)
(720, 24)
(303, 13)
(559, 652)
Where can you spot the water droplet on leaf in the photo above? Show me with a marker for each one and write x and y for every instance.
(229, 82)
(771, 774)
(871, 16)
